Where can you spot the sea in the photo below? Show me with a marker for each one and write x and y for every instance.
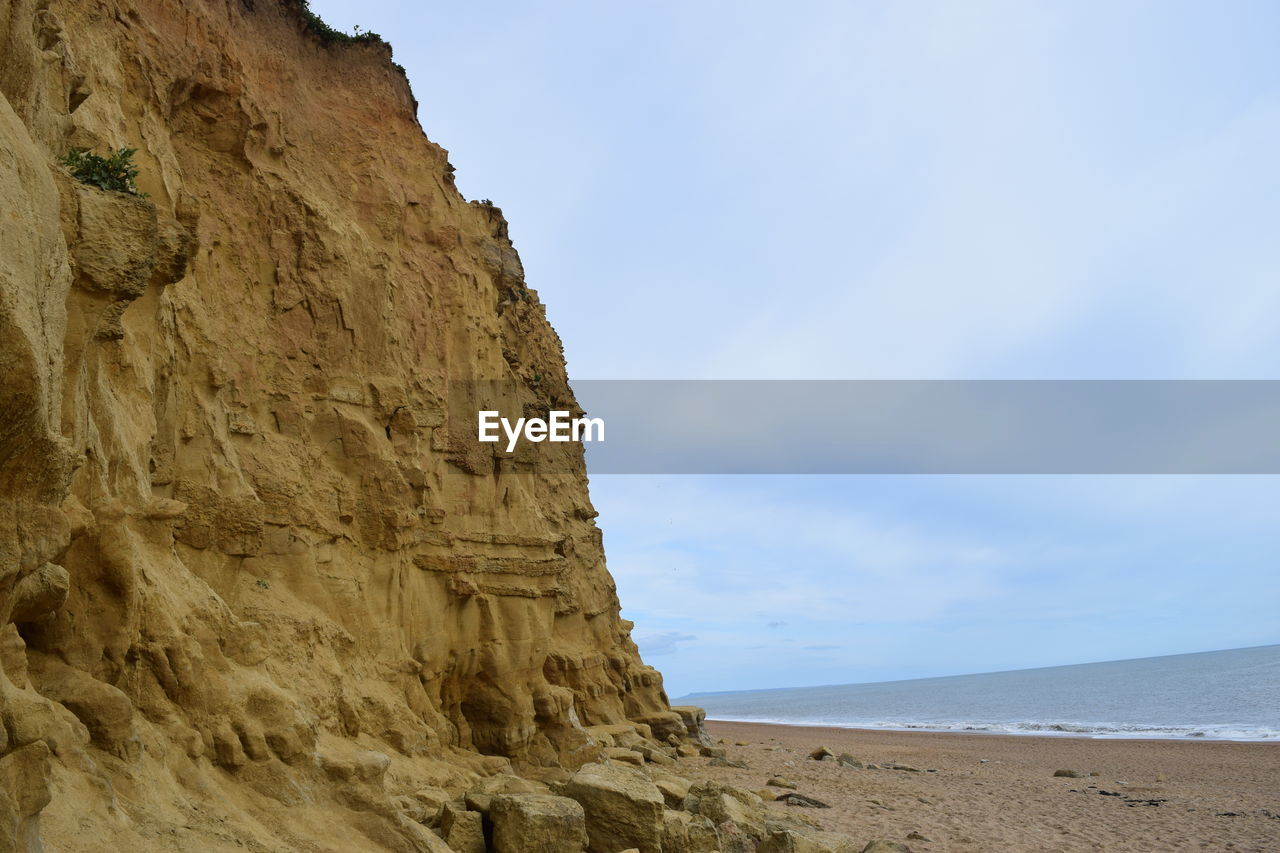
(1220, 695)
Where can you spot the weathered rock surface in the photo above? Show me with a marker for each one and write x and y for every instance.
(725, 804)
(692, 718)
(623, 807)
(39, 593)
(256, 590)
(537, 823)
(463, 829)
(687, 833)
(793, 841)
(624, 755)
(673, 789)
(480, 797)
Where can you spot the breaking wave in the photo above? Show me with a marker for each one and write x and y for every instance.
(1089, 730)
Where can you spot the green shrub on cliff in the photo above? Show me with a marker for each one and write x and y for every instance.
(115, 172)
(328, 34)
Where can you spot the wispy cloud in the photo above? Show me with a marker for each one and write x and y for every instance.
(988, 573)
(662, 643)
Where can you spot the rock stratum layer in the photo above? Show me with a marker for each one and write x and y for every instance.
(257, 591)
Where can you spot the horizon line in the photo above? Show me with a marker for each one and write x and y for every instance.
(969, 674)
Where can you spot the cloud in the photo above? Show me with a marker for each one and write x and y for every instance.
(841, 562)
(886, 578)
(662, 643)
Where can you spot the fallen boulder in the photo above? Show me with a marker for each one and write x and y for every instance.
(656, 755)
(623, 807)
(688, 833)
(692, 718)
(797, 841)
(625, 755)
(479, 797)
(537, 823)
(463, 830)
(726, 804)
(431, 800)
(664, 723)
(673, 789)
(734, 840)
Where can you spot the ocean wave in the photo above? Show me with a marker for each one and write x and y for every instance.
(1058, 729)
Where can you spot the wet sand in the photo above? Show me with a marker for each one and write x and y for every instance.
(976, 792)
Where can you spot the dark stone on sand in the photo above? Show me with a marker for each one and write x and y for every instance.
(793, 799)
(727, 762)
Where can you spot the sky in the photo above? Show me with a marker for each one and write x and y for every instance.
(890, 190)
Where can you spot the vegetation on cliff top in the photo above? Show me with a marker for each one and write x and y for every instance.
(327, 34)
(116, 172)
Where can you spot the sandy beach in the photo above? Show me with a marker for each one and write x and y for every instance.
(977, 792)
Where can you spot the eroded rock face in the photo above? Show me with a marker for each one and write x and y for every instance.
(243, 551)
(692, 718)
(39, 593)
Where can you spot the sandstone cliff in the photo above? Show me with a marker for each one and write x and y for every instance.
(256, 592)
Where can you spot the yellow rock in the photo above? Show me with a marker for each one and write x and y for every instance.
(235, 468)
